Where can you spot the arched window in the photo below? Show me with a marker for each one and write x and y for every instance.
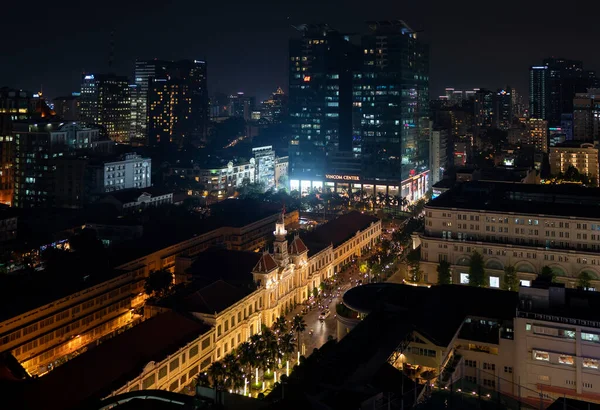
(524, 267)
(494, 264)
(463, 261)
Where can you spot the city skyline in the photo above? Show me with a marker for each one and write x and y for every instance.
(247, 50)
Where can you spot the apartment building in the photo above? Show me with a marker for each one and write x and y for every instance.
(532, 346)
(579, 155)
(521, 225)
(68, 315)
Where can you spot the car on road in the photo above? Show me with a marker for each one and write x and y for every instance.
(324, 315)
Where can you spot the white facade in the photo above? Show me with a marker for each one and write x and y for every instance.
(437, 155)
(281, 169)
(529, 242)
(133, 171)
(264, 158)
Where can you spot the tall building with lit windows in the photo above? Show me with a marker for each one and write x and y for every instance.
(393, 102)
(322, 65)
(553, 85)
(177, 103)
(105, 100)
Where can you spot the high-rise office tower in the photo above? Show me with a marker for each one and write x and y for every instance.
(105, 100)
(586, 116)
(538, 92)
(275, 108)
(322, 64)
(38, 145)
(145, 71)
(483, 106)
(503, 109)
(241, 105)
(177, 103)
(393, 102)
(67, 107)
(553, 86)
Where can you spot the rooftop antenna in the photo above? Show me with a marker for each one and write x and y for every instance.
(111, 52)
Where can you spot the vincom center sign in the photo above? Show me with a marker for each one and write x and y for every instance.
(338, 177)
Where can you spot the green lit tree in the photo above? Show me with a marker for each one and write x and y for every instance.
(510, 280)
(158, 283)
(476, 270)
(444, 273)
(584, 280)
(547, 274)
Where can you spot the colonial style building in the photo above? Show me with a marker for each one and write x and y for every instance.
(231, 294)
(521, 225)
(43, 331)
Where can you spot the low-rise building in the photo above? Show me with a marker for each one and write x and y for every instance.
(59, 317)
(219, 181)
(231, 296)
(532, 347)
(525, 226)
(131, 200)
(129, 172)
(582, 156)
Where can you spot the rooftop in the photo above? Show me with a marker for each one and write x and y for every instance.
(101, 370)
(224, 264)
(465, 301)
(213, 298)
(337, 231)
(555, 200)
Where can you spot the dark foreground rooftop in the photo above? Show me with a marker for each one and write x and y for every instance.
(557, 200)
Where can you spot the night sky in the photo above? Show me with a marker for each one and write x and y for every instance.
(477, 44)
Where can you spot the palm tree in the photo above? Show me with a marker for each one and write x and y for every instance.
(231, 371)
(298, 326)
(270, 347)
(286, 345)
(217, 375)
(247, 356)
(280, 325)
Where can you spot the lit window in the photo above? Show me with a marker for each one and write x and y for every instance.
(539, 355)
(526, 283)
(566, 359)
(494, 282)
(464, 278)
(591, 363)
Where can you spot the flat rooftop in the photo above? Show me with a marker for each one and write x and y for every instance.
(99, 371)
(336, 231)
(441, 327)
(224, 264)
(556, 200)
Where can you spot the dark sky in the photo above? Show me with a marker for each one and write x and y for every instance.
(473, 43)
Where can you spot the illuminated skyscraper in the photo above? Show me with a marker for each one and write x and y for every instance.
(553, 85)
(322, 64)
(177, 103)
(105, 100)
(394, 102)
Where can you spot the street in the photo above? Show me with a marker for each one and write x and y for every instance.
(322, 329)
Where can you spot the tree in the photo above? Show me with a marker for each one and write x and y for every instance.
(298, 326)
(216, 373)
(280, 325)
(476, 270)
(315, 292)
(444, 274)
(547, 274)
(286, 345)
(584, 280)
(158, 283)
(414, 265)
(510, 280)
